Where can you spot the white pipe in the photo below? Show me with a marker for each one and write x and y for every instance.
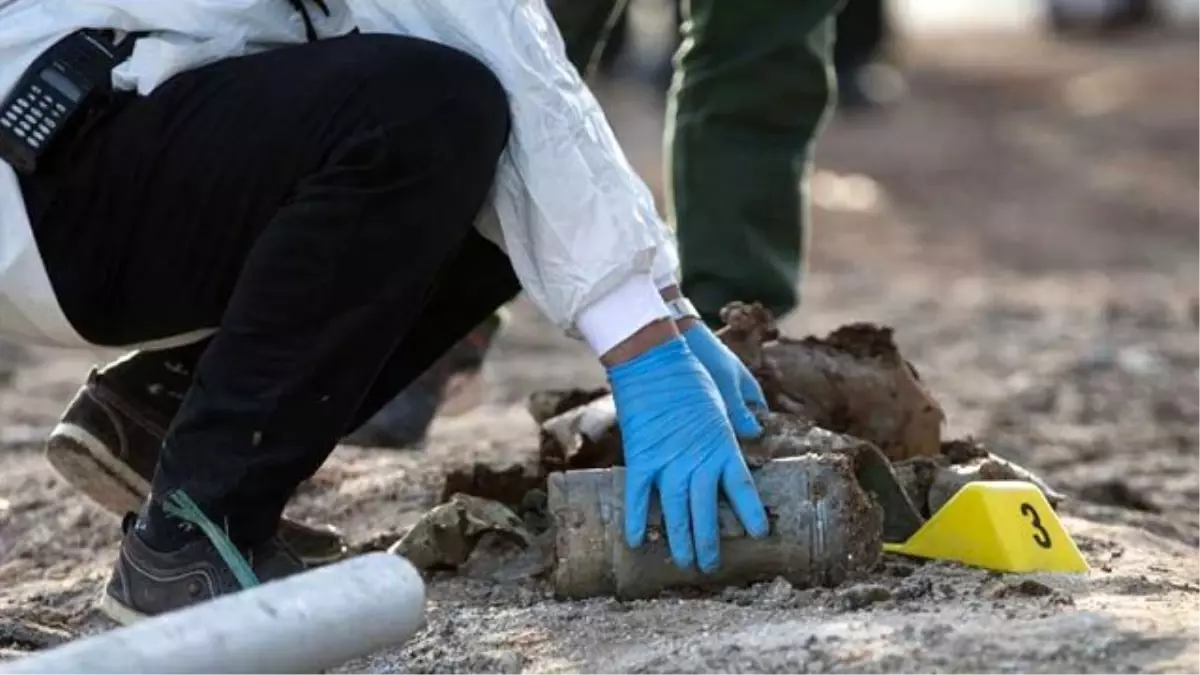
(307, 623)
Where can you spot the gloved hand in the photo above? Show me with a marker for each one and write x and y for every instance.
(677, 438)
(739, 390)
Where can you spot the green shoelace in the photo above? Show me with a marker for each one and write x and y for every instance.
(180, 505)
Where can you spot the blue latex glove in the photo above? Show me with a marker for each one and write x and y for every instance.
(678, 439)
(739, 390)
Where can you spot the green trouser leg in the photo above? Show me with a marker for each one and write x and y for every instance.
(752, 88)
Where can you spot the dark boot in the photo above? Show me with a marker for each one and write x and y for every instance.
(404, 421)
(147, 582)
(866, 80)
(107, 447)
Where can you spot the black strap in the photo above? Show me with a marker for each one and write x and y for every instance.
(310, 31)
(108, 37)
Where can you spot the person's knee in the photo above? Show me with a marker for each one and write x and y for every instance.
(479, 100)
(469, 99)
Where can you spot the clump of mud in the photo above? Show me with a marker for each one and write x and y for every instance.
(477, 538)
(853, 381)
(931, 481)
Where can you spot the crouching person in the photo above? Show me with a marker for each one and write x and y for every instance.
(287, 232)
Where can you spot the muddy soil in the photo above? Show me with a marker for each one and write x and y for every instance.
(1026, 221)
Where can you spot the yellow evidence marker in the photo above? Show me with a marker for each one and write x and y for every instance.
(1006, 526)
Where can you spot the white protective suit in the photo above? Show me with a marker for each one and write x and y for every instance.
(577, 222)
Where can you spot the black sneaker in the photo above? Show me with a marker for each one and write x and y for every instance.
(146, 582)
(107, 447)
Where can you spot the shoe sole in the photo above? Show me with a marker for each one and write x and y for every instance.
(118, 611)
(86, 463)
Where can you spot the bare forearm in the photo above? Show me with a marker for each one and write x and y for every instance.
(645, 339)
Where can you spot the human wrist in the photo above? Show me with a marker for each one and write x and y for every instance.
(673, 292)
(628, 318)
(641, 343)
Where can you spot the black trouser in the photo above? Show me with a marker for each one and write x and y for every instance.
(314, 202)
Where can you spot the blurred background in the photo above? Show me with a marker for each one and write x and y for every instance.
(883, 45)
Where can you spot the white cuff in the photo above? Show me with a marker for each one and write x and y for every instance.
(622, 312)
(667, 281)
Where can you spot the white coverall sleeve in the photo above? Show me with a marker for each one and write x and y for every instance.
(576, 220)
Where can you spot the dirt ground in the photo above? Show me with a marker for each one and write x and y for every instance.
(1026, 220)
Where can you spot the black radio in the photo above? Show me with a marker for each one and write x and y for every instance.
(67, 82)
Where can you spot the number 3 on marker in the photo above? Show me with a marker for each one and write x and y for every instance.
(1041, 537)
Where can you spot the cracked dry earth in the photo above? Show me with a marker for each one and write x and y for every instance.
(1026, 221)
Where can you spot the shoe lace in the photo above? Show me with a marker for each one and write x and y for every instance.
(182, 506)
